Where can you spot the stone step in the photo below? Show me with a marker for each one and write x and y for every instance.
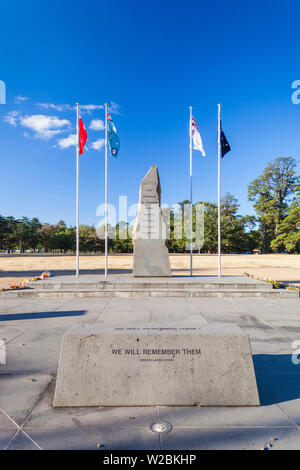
(153, 285)
(75, 293)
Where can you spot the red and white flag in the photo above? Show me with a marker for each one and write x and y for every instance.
(82, 135)
(196, 137)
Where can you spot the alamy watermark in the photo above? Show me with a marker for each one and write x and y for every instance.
(2, 352)
(154, 222)
(2, 92)
(296, 94)
(296, 354)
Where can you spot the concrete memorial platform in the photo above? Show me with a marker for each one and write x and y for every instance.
(208, 365)
(33, 330)
(124, 285)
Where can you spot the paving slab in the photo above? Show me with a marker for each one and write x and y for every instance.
(178, 319)
(91, 438)
(22, 442)
(273, 325)
(5, 422)
(288, 442)
(5, 436)
(20, 393)
(8, 332)
(284, 389)
(229, 438)
(220, 417)
(44, 415)
(280, 346)
(275, 364)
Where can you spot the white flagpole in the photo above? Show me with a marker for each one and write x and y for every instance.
(219, 190)
(191, 194)
(77, 192)
(106, 192)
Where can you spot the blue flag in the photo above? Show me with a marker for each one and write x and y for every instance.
(113, 138)
(225, 147)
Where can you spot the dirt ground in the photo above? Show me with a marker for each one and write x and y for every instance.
(279, 267)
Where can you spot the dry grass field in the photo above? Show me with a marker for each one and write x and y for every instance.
(280, 267)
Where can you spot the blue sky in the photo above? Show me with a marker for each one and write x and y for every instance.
(151, 60)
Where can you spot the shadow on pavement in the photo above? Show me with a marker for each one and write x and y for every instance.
(62, 272)
(278, 379)
(39, 315)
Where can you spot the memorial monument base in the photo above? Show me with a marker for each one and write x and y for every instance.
(151, 259)
(209, 365)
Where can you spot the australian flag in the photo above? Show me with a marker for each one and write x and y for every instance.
(225, 147)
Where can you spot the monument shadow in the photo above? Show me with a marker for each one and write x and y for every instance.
(278, 379)
(40, 315)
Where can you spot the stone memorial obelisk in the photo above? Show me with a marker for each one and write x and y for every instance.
(156, 364)
(150, 254)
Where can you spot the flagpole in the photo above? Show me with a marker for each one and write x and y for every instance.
(77, 192)
(219, 190)
(106, 192)
(191, 193)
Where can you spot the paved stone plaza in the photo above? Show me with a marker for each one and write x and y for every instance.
(33, 329)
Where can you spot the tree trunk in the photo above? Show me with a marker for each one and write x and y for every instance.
(265, 239)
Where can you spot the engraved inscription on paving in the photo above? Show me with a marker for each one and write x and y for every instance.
(155, 354)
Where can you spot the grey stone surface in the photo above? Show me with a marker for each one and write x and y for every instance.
(98, 281)
(209, 365)
(20, 393)
(5, 437)
(228, 438)
(22, 442)
(91, 438)
(150, 254)
(215, 417)
(290, 441)
(5, 421)
(126, 286)
(284, 388)
(207, 428)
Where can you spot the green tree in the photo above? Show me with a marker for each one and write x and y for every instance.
(45, 232)
(22, 233)
(88, 240)
(33, 233)
(7, 233)
(123, 240)
(271, 193)
(288, 237)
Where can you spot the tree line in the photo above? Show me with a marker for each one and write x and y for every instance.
(275, 195)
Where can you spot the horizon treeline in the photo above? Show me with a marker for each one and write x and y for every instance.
(275, 195)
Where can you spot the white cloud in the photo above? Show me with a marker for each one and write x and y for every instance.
(97, 125)
(89, 108)
(44, 127)
(98, 144)
(114, 108)
(68, 141)
(19, 99)
(84, 108)
(11, 118)
(57, 107)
